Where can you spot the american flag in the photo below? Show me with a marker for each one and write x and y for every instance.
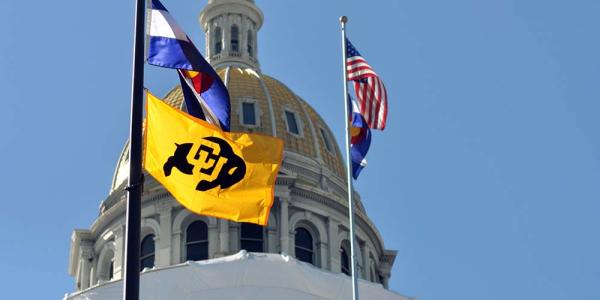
(369, 88)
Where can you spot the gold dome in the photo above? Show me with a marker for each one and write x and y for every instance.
(272, 99)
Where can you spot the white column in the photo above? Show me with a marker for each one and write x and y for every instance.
(78, 275)
(213, 237)
(285, 229)
(86, 254)
(363, 268)
(93, 271)
(119, 252)
(255, 43)
(324, 261)
(386, 279)
(223, 237)
(234, 237)
(271, 240)
(334, 253)
(163, 253)
(226, 26)
(208, 42)
(247, 26)
(85, 274)
(176, 246)
(385, 269)
(243, 28)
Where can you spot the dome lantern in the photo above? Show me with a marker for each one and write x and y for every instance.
(231, 28)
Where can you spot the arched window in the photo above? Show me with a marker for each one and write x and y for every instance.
(218, 40)
(235, 39)
(345, 261)
(250, 42)
(147, 252)
(196, 241)
(105, 271)
(251, 238)
(304, 246)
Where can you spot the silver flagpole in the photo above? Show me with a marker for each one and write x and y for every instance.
(343, 20)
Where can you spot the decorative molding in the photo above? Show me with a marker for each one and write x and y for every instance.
(163, 205)
(270, 105)
(151, 224)
(226, 77)
(86, 250)
(362, 220)
(311, 126)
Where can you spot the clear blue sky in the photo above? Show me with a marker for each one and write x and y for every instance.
(486, 179)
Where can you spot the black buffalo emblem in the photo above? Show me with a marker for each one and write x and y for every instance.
(223, 165)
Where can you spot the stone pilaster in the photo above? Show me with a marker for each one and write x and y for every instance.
(223, 237)
(86, 255)
(118, 267)
(163, 251)
(93, 271)
(386, 261)
(78, 275)
(324, 254)
(176, 246)
(213, 237)
(334, 253)
(226, 27)
(271, 246)
(284, 234)
(363, 267)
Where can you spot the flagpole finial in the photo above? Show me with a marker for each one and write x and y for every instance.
(343, 19)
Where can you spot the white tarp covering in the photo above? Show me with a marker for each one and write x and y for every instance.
(263, 276)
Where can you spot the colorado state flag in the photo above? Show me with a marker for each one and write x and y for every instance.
(210, 172)
(207, 97)
(360, 138)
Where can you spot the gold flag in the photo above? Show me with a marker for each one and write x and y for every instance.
(228, 175)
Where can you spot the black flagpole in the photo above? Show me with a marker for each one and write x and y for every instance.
(131, 284)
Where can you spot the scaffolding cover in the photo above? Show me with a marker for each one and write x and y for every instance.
(240, 276)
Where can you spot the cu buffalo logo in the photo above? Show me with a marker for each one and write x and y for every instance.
(215, 159)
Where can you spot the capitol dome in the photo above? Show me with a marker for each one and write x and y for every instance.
(262, 104)
(309, 218)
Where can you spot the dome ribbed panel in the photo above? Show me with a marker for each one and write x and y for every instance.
(332, 159)
(174, 97)
(242, 86)
(284, 99)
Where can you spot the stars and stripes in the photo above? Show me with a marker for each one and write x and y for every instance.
(369, 88)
